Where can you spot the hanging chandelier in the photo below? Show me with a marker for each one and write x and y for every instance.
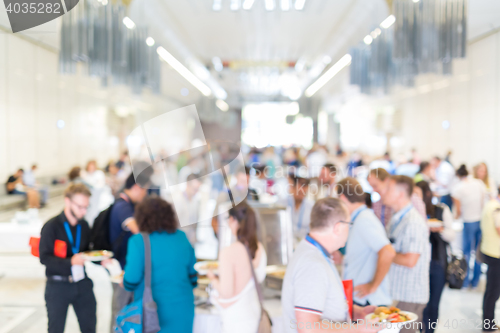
(426, 35)
(110, 45)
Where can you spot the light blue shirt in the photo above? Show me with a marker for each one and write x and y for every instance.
(366, 237)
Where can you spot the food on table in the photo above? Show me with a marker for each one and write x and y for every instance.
(278, 274)
(392, 315)
(210, 266)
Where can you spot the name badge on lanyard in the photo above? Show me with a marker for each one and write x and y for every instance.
(330, 262)
(75, 246)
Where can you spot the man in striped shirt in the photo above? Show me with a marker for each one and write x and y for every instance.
(379, 181)
(409, 235)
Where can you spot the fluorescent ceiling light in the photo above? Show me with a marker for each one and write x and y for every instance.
(235, 4)
(368, 39)
(323, 79)
(299, 65)
(182, 70)
(247, 4)
(299, 4)
(128, 22)
(270, 5)
(388, 21)
(218, 66)
(223, 106)
(285, 5)
(217, 5)
(220, 93)
(150, 41)
(415, 1)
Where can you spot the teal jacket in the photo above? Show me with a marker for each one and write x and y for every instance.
(173, 277)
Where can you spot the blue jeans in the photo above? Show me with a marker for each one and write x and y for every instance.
(437, 280)
(446, 199)
(471, 239)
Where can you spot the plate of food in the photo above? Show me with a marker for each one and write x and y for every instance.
(202, 267)
(98, 255)
(117, 278)
(434, 223)
(391, 315)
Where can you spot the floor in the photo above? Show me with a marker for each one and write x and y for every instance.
(22, 306)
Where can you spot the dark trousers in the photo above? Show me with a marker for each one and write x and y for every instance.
(437, 280)
(492, 292)
(58, 297)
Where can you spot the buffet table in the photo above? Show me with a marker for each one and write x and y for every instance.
(15, 237)
(207, 320)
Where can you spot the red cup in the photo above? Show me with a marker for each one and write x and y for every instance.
(348, 290)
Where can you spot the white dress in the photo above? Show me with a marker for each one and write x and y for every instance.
(244, 315)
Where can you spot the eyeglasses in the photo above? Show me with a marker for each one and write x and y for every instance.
(345, 222)
(79, 206)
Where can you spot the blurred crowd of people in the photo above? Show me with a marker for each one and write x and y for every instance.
(386, 226)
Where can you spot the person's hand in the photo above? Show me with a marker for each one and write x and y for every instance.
(364, 290)
(106, 262)
(132, 226)
(370, 327)
(360, 312)
(438, 229)
(211, 275)
(77, 260)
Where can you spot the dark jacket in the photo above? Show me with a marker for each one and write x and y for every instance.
(54, 230)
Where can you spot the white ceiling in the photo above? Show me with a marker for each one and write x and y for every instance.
(191, 30)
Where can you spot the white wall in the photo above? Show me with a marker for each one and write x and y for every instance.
(469, 99)
(33, 96)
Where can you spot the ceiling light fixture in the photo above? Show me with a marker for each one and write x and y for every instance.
(368, 39)
(247, 4)
(388, 21)
(235, 4)
(128, 22)
(223, 106)
(270, 5)
(323, 79)
(415, 1)
(218, 66)
(299, 4)
(285, 5)
(150, 41)
(217, 5)
(300, 64)
(182, 70)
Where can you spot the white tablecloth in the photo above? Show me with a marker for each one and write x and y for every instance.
(15, 237)
(210, 323)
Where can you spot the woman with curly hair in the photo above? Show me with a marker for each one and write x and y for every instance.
(172, 257)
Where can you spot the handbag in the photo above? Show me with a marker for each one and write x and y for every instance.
(456, 272)
(265, 322)
(140, 316)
